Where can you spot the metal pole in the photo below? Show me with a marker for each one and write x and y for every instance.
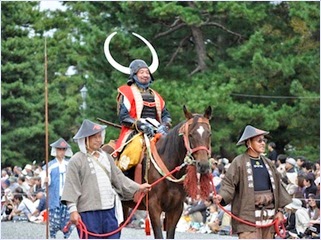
(46, 141)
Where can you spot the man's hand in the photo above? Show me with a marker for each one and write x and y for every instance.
(279, 215)
(46, 180)
(217, 198)
(145, 127)
(75, 218)
(162, 129)
(145, 187)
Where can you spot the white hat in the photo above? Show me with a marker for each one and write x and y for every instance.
(28, 167)
(295, 204)
(224, 161)
(291, 161)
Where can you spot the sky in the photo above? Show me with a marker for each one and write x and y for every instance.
(50, 4)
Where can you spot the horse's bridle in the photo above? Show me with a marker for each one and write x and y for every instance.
(184, 131)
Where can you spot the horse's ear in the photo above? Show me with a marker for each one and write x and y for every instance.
(187, 113)
(208, 112)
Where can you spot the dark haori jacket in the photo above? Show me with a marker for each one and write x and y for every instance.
(238, 189)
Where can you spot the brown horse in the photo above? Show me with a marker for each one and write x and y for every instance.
(188, 141)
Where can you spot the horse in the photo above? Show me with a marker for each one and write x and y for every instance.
(190, 142)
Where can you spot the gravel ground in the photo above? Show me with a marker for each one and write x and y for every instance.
(27, 230)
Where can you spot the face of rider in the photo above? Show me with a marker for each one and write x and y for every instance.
(143, 75)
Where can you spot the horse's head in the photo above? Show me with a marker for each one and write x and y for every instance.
(197, 138)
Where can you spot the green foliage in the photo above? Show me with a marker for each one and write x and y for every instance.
(262, 68)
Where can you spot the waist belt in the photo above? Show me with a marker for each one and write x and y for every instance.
(149, 104)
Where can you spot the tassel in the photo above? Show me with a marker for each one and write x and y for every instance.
(147, 226)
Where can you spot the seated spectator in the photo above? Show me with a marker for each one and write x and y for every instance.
(23, 207)
(138, 219)
(17, 171)
(37, 184)
(302, 218)
(272, 155)
(214, 169)
(197, 212)
(40, 203)
(290, 218)
(316, 168)
(300, 160)
(222, 223)
(290, 185)
(290, 166)
(307, 168)
(299, 193)
(6, 205)
(38, 215)
(13, 183)
(23, 184)
(4, 175)
(314, 211)
(27, 171)
(211, 215)
(310, 186)
(280, 162)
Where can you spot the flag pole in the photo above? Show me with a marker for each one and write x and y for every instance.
(46, 142)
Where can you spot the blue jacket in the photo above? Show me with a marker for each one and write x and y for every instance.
(54, 182)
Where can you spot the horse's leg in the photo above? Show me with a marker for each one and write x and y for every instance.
(172, 219)
(154, 214)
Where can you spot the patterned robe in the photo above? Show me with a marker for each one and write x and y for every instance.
(238, 189)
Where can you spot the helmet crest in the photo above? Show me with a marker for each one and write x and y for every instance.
(152, 68)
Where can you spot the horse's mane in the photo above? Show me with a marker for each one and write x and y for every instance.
(170, 140)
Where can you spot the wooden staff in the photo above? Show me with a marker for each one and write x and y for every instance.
(46, 142)
(109, 123)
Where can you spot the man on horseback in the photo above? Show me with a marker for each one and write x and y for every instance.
(139, 106)
(141, 110)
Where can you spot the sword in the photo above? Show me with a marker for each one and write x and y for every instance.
(109, 123)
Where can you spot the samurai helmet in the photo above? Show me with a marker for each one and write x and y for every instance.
(134, 66)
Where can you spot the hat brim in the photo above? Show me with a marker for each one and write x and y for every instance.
(242, 141)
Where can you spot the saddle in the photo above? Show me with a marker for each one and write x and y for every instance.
(130, 159)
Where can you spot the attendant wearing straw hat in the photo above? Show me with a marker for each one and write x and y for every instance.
(94, 185)
(253, 186)
(58, 213)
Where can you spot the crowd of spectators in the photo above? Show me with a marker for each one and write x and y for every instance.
(23, 198)
(22, 194)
